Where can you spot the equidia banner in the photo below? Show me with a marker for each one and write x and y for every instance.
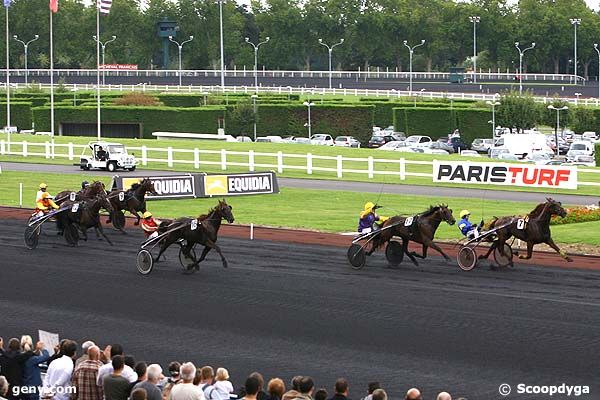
(238, 184)
(528, 175)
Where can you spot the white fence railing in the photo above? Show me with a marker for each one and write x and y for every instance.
(224, 159)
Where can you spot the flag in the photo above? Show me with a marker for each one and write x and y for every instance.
(54, 6)
(104, 6)
(7, 3)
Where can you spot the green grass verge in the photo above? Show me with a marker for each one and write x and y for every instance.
(329, 211)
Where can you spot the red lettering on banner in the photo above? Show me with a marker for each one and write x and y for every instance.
(562, 175)
(546, 176)
(530, 180)
(515, 171)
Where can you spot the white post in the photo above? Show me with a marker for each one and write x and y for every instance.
(251, 161)
(24, 148)
(339, 166)
(280, 162)
(71, 151)
(402, 169)
(144, 156)
(309, 164)
(170, 157)
(2, 147)
(224, 159)
(196, 158)
(47, 149)
(370, 166)
(251, 231)
(20, 195)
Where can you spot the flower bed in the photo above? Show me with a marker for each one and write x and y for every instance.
(578, 214)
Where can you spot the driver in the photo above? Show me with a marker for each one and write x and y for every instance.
(149, 225)
(101, 154)
(84, 185)
(44, 202)
(368, 217)
(466, 227)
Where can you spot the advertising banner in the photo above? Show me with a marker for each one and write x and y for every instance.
(240, 184)
(167, 187)
(489, 173)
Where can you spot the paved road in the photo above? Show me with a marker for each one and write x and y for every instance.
(288, 309)
(364, 187)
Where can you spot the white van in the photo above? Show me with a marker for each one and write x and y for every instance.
(522, 144)
(580, 148)
(591, 136)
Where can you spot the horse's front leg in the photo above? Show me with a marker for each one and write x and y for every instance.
(529, 252)
(408, 253)
(164, 245)
(564, 255)
(99, 229)
(210, 244)
(423, 256)
(430, 243)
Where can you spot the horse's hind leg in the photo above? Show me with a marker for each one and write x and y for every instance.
(492, 247)
(169, 240)
(408, 253)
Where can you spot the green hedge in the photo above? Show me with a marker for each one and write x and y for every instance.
(20, 114)
(152, 119)
(597, 152)
(384, 111)
(432, 122)
(473, 124)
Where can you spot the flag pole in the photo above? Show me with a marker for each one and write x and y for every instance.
(99, 133)
(7, 80)
(52, 82)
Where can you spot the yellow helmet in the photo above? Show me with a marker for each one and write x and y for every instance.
(147, 214)
(464, 213)
(43, 186)
(369, 206)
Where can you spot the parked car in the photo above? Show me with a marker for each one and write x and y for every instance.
(379, 140)
(244, 139)
(563, 146)
(592, 136)
(457, 144)
(470, 153)
(508, 157)
(495, 152)
(322, 139)
(442, 144)
(270, 139)
(580, 148)
(482, 145)
(346, 141)
(419, 141)
(588, 161)
(301, 140)
(106, 155)
(393, 145)
(538, 158)
(440, 152)
(289, 138)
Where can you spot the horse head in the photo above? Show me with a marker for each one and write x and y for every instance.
(102, 198)
(147, 185)
(224, 210)
(555, 207)
(446, 214)
(97, 187)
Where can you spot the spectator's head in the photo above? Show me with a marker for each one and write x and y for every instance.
(341, 386)
(260, 378)
(26, 343)
(154, 373)
(187, 372)
(252, 385)
(174, 370)
(69, 348)
(118, 363)
(373, 386)
(14, 344)
(207, 374)
(444, 396)
(129, 361)
(306, 385)
(86, 346)
(321, 394)
(140, 369)
(296, 383)
(93, 353)
(139, 394)
(379, 394)
(276, 388)
(413, 394)
(222, 374)
(3, 386)
(116, 350)
(198, 378)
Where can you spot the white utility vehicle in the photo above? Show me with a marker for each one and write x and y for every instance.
(106, 155)
(523, 144)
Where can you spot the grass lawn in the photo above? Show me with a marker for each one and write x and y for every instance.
(292, 149)
(329, 211)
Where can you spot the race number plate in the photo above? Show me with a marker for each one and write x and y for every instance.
(121, 196)
(408, 221)
(75, 207)
(520, 224)
(73, 196)
(194, 224)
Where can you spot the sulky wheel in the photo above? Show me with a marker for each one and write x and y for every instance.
(71, 235)
(503, 260)
(357, 256)
(32, 236)
(188, 261)
(144, 262)
(467, 258)
(118, 219)
(394, 253)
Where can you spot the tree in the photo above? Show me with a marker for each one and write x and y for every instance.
(518, 111)
(243, 115)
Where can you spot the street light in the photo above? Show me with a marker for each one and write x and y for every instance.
(475, 20)
(575, 22)
(26, 46)
(558, 110)
(309, 105)
(521, 52)
(493, 104)
(577, 98)
(330, 49)
(411, 51)
(254, 97)
(180, 46)
(113, 38)
(256, 46)
(222, 51)
(598, 51)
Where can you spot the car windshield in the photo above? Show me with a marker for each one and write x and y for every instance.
(413, 139)
(377, 139)
(116, 149)
(342, 138)
(319, 137)
(578, 147)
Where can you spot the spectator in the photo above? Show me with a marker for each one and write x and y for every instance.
(149, 384)
(261, 393)
(341, 390)
(295, 391)
(139, 394)
(107, 369)
(173, 379)
(85, 376)
(31, 369)
(140, 369)
(276, 388)
(58, 351)
(252, 387)
(11, 364)
(321, 394)
(380, 394)
(60, 371)
(130, 361)
(186, 390)
(413, 394)
(206, 384)
(223, 385)
(444, 396)
(371, 388)
(306, 386)
(115, 385)
(84, 347)
(3, 384)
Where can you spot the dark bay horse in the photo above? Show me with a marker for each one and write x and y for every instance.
(86, 214)
(202, 230)
(86, 193)
(532, 229)
(133, 199)
(420, 229)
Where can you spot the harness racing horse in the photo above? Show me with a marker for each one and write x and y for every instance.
(132, 200)
(203, 231)
(420, 229)
(86, 193)
(86, 214)
(533, 229)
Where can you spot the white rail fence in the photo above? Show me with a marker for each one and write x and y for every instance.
(226, 158)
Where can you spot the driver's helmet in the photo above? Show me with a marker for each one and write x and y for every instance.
(43, 186)
(85, 184)
(369, 207)
(147, 214)
(465, 213)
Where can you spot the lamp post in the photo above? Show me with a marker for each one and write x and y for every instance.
(26, 47)
(575, 22)
(493, 104)
(474, 20)
(521, 53)
(558, 110)
(256, 47)
(411, 51)
(180, 47)
(222, 51)
(309, 105)
(330, 49)
(598, 51)
(254, 97)
(103, 45)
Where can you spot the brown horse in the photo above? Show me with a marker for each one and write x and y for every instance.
(420, 229)
(86, 214)
(133, 199)
(84, 194)
(533, 229)
(203, 230)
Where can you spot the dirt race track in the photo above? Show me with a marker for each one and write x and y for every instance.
(286, 308)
